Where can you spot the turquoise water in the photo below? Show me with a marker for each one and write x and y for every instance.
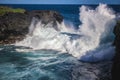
(21, 63)
(34, 65)
(46, 65)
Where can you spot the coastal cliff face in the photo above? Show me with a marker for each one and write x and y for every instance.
(14, 26)
(116, 62)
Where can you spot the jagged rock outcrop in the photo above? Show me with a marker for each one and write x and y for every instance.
(14, 26)
(46, 16)
(116, 62)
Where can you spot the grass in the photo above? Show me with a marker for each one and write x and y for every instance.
(4, 10)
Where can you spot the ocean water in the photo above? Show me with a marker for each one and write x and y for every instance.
(85, 36)
(69, 12)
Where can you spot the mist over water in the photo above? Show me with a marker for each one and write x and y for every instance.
(91, 42)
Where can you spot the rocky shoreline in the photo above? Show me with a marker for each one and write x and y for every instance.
(15, 26)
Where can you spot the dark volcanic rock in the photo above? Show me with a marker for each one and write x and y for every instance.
(116, 63)
(14, 26)
(46, 16)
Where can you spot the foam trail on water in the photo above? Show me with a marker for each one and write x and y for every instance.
(91, 42)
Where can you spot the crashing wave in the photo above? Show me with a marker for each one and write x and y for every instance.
(91, 42)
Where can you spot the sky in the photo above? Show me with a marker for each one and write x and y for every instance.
(59, 1)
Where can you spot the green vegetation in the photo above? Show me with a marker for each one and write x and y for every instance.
(4, 10)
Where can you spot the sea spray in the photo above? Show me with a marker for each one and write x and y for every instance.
(91, 42)
(97, 30)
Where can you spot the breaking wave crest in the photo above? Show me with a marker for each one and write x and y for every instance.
(91, 42)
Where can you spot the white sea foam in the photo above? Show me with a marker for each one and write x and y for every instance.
(91, 42)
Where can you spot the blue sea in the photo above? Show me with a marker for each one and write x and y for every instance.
(69, 12)
(21, 63)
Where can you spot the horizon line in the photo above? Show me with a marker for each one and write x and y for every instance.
(52, 4)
